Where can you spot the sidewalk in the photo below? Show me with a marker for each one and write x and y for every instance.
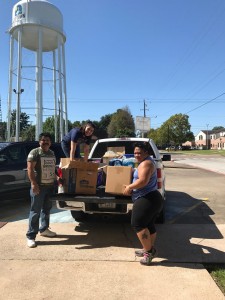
(92, 261)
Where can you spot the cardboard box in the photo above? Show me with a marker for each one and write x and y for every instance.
(116, 178)
(113, 152)
(79, 177)
(86, 180)
(69, 180)
(67, 163)
(118, 150)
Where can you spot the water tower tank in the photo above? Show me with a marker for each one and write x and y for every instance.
(37, 29)
(32, 15)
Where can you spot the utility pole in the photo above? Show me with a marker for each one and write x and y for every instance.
(0, 109)
(144, 118)
(168, 136)
(145, 105)
(207, 144)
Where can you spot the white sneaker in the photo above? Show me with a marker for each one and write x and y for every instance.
(48, 233)
(31, 243)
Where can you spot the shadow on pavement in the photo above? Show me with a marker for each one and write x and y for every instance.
(188, 235)
(181, 208)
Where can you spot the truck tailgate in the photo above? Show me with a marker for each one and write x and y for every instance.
(101, 202)
(91, 198)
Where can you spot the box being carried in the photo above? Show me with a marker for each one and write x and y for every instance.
(116, 178)
(79, 177)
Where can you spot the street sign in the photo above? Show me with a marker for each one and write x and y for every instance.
(142, 124)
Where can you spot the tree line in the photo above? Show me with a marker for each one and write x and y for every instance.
(174, 131)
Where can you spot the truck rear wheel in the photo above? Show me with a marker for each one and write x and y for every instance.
(78, 215)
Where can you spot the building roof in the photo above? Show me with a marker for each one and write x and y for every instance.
(213, 131)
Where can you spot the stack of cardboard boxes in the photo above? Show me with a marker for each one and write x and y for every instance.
(81, 177)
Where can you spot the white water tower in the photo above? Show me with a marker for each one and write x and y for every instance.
(37, 28)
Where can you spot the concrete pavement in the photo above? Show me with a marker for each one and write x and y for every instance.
(92, 261)
(97, 261)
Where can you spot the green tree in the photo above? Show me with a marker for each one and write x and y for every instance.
(28, 134)
(101, 127)
(218, 128)
(24, 121)
(49, 126)
(121, 124)
(176, 130)
(154, 134)
(3, 129)
(75, 124)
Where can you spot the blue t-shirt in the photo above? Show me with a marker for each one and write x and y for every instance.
(76, 135)
(151, 185)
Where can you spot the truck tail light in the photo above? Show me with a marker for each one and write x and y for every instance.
(159, 177)
(59, 171)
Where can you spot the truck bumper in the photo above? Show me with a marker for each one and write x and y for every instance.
(93, 204)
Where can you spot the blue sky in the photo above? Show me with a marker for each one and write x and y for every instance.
(170, 53)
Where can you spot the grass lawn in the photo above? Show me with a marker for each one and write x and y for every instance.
(217, 271)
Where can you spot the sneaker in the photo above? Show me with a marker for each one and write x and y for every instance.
(48, 233)
(147, 257)
(31, 243)
(140, 253)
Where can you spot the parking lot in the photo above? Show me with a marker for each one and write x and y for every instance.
(101, 252)
(194, 196)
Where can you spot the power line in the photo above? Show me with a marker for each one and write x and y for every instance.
(207, 27)
(155, 100)
(205, 103)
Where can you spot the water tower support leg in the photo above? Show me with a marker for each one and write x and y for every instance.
(18, 86)
(65, 91)
(10, 88)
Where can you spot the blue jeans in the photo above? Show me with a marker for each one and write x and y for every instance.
(40, 209)
(66, 149)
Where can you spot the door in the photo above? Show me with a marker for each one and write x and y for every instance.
(13, 182)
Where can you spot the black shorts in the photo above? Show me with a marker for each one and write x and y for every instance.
(145, 211)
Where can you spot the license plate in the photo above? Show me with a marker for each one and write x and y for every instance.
(107, 205)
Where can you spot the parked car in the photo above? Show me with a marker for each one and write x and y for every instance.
(14, 181)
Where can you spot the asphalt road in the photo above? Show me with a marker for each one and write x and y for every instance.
(194, 196)
(195, 189)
